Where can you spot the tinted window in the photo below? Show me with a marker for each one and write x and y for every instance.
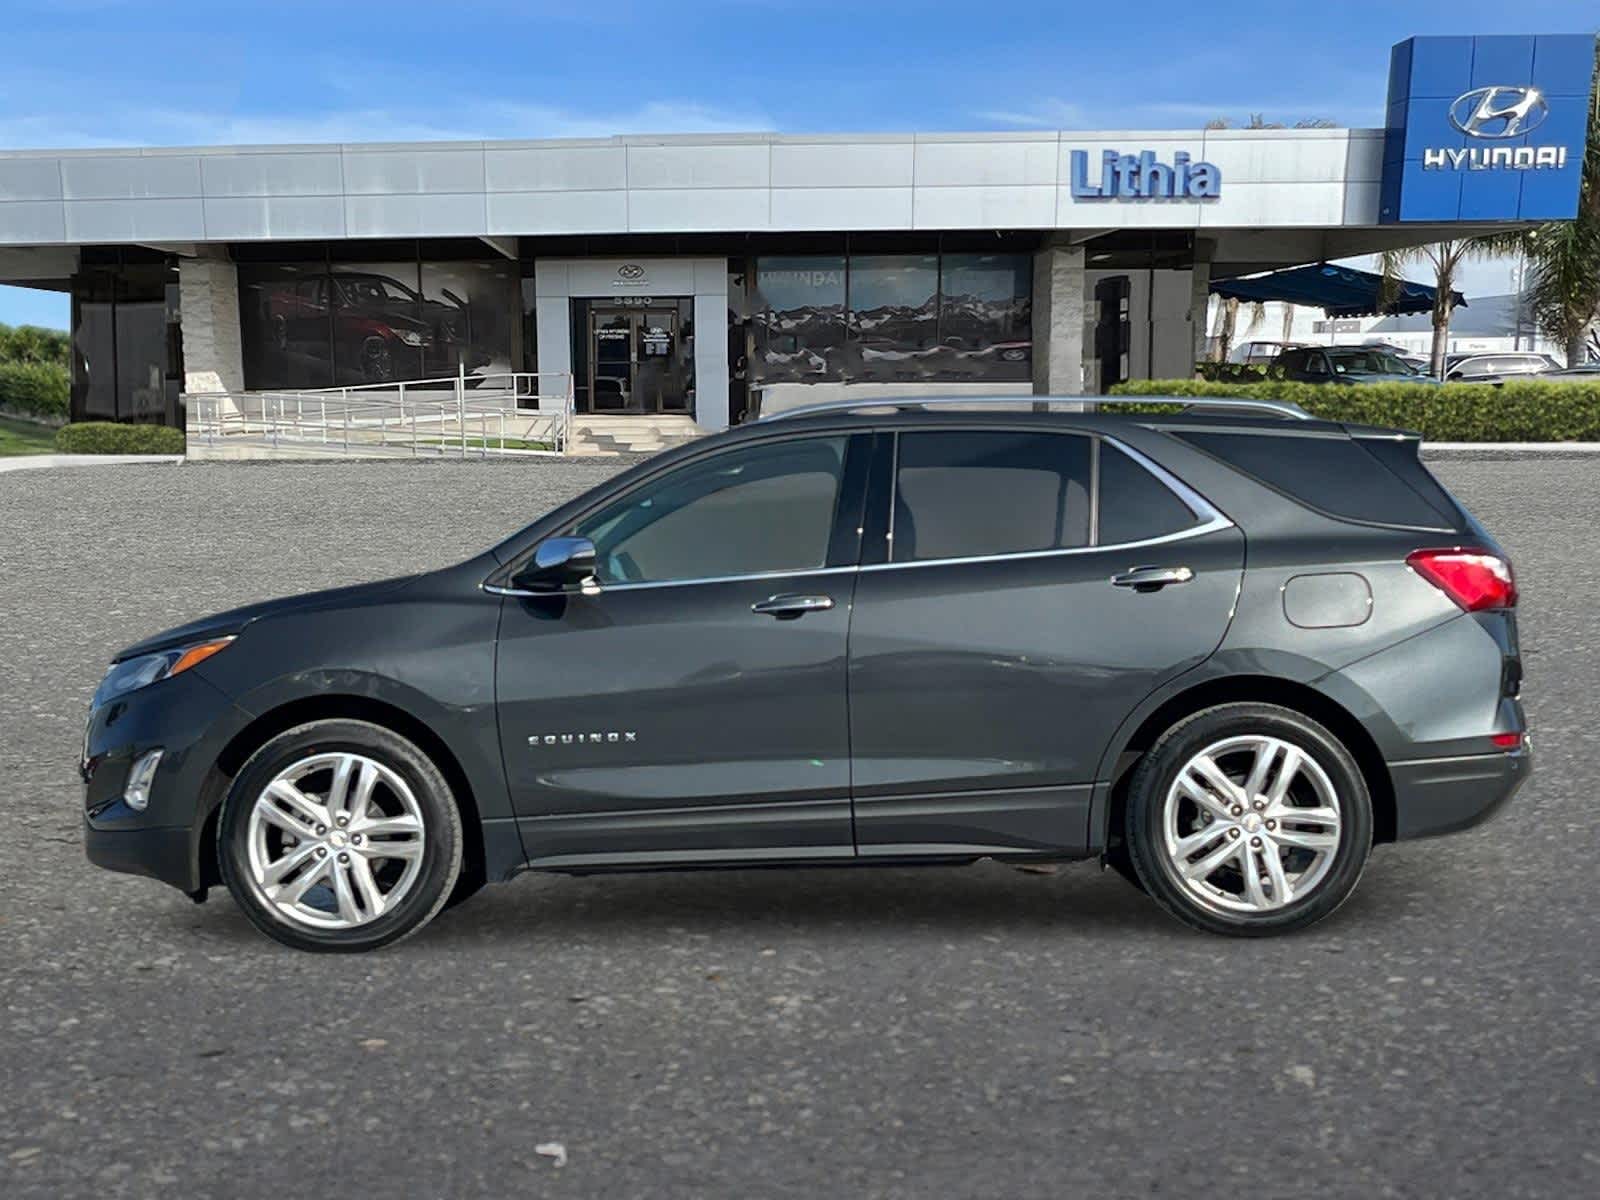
(1334, 474)
(894, 314)
(1370, 361)
(985, 328)
(1134, 504)
(799, 319)
(1516, 364)
(747, 511)
(965, 494)
(911, 317)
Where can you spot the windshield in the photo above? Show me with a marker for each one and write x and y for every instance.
(1370, 362)
(374, 290)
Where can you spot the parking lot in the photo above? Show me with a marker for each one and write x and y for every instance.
(975, 1032)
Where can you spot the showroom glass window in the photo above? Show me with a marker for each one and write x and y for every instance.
(395, 316)
(985, 316)
(756, 510)
(127, 360)
(966, 494)
(799, 318)
(900, 317)
(894, 316)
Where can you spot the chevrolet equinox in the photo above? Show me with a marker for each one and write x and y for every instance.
(1226, 650)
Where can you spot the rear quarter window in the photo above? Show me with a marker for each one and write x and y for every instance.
(1135, 506)
(1335, 475)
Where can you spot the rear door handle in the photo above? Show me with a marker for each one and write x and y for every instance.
(1151, 579)
(788, 607)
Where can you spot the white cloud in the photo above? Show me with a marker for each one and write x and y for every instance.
(463, 119)
(1046, 113)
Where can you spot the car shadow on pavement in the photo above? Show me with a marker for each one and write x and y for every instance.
(816, 903)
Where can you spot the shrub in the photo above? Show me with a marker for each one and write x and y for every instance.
(33, 344)
(1518, 411)
(1227, 372)
(108, 437)
(34, 389)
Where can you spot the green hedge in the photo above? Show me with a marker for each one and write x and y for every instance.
(1531, 411)
(34, 389)
(108, 437)
(1227, 372)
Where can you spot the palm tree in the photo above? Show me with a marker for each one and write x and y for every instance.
(1445, 258)
(1564, 256)
(1227, 321)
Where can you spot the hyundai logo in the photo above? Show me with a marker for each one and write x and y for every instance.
(630, 271)
(1499, 112)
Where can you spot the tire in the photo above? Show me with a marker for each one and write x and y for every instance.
(400, 833)
(1179, 811)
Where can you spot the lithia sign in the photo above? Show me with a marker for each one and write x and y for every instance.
(1144, 177)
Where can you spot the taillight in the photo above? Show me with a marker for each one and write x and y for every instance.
(1472, 579)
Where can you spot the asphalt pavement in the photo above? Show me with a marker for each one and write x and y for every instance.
(906, 1033)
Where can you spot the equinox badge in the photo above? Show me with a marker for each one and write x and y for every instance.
(582, 739)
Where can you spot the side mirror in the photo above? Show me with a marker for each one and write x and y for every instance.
(557, 563)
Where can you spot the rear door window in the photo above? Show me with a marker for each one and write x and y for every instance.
(969, 494)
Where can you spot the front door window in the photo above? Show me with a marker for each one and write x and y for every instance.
(761, 510)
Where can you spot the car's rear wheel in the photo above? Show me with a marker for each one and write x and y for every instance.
(339, 835)
(1249, 819)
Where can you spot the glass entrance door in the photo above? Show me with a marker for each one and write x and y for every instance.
(638, 362)
(611, 361)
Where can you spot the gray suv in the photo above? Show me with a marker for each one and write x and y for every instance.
(1225, 651)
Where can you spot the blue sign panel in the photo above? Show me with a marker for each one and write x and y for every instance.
(1486, 128)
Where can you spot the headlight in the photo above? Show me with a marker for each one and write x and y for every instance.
(134, 673)
(410, 337)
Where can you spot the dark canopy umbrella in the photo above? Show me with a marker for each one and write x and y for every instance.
(1338, 291)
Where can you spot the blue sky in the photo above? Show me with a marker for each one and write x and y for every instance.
(148, 72)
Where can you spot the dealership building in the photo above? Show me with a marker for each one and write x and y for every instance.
(707, 276)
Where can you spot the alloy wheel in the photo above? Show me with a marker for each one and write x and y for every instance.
(1251, 824)
(335, 841)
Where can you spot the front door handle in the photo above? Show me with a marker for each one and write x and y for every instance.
(788, 607)
(1151, 579)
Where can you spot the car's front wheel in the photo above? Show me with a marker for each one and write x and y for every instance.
(339, 835)
(1249, 819)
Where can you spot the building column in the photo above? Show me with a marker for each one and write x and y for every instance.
(711, 343)
(1200, 298)
(208, 298)
(1058, 320)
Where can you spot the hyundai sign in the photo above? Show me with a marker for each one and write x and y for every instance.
(1486, 128)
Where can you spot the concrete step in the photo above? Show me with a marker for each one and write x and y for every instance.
(631, 433)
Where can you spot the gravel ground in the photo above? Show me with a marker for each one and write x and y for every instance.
(976, 1032)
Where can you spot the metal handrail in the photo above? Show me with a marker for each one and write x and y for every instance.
(1280, 408)
(399, 416)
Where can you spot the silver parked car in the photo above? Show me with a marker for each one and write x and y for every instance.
(1494, 367)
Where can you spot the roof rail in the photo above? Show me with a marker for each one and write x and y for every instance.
(1276, 408)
